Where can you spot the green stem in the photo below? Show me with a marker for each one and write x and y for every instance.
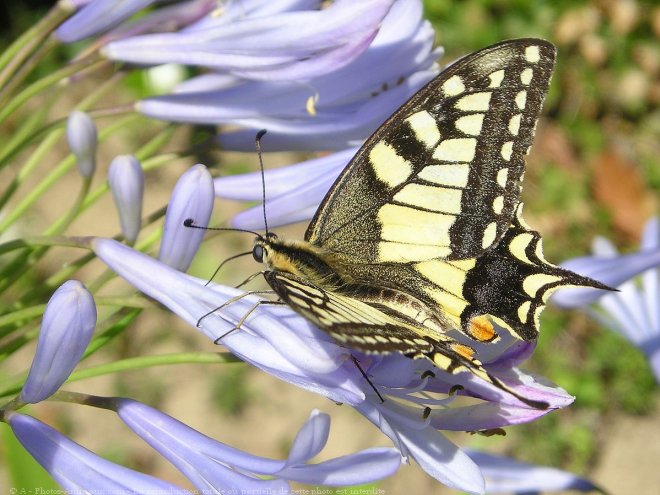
(36, 87)
(129, 364)
(14, 56)
(33, 195)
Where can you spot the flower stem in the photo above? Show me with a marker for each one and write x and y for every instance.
(15, 55)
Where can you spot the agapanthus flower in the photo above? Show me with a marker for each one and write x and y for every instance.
(278, 341)
(77, 469)
(214, 467)
(82, 138)
(316, 79)
(126, 180)
(633, 311)
(192, 197)
(66, 329)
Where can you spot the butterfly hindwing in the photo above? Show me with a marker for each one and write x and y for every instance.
(441, 178)
(365, 328)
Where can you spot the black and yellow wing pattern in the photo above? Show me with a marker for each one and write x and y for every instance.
(422, 233)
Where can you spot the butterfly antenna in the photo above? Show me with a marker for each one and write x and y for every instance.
(190, 223)
(257, 140)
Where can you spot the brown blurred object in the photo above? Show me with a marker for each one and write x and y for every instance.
(620, 188)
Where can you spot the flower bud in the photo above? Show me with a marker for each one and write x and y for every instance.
(192, 197)
(83, 141)
(66, 329)
(126, 181)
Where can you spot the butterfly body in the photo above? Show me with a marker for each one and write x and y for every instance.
(422, 233)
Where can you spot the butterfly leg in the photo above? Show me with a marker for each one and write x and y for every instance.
(231, 301)
(247, 315)
(366, 377)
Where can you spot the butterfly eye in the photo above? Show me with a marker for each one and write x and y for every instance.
(258, 253)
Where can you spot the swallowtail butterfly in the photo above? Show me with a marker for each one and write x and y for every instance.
(422, 232)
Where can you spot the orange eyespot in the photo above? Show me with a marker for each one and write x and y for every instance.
(481, 329)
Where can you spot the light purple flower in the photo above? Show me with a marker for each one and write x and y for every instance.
(300, 44)
(633, 311)
(66, 329)
(98, 16)
(77, 469)
(504, 475)
(351, 99)
(292, 192)
(285, 345)
(192, 197)
(215, 467)
(83, 141)
(126, 180)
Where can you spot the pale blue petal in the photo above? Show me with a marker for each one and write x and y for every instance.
(298, 203)
(311, 438)
(77, 469)
(612, 271)
(97, 17)
(66, 329)
(207, 463)
(436, 455)
(362, 467)
(299, 44)
(504, 475)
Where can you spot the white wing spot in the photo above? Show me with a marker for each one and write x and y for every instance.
(475, 102)
(388, 166)
(514, 124)
(435, 198)
(523, 311)
(425, 128)
(533, 283)
(498, 205)
(532, 54)
(456, 150)
(507, 150)
(502, 176)
(496, 78)
(470, 124)
(453, 86)
(518, 246)
(447, 175)
(526, 76)
(521, 99)
(490, 232)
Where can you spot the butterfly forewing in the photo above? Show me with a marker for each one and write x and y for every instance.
(441, 178)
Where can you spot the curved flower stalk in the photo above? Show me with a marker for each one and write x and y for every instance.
(285, 345)
(633, 311)
(215, 467)
(66, 329)
(77, 469)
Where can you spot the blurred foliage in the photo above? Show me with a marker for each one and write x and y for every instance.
(594, 170)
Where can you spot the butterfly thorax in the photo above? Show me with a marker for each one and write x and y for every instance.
(298, 258)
